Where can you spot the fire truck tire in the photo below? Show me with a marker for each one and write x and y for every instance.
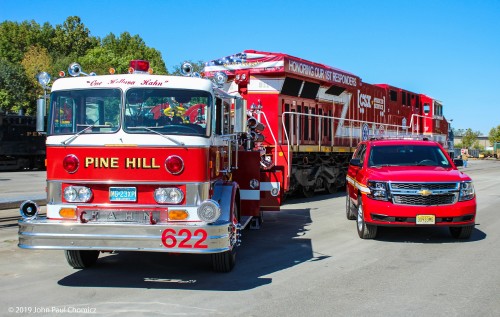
(81, 259)
(224, 262)
(365, 231)
(350, 214)
(461, 232)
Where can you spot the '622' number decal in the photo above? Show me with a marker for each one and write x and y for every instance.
(171, 239)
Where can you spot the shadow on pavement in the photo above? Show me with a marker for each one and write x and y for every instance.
(276, 246)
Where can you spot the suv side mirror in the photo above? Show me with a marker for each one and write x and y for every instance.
(356, 162)
(458, 162)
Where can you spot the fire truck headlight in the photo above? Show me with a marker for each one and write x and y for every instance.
(84, 194)
(169, 195)
(209, 211)
(70, 194)
(77, 194)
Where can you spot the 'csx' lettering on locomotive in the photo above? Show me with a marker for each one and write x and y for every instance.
(128, 162)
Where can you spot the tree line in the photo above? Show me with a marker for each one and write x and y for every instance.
(27, 48)
(469, 137)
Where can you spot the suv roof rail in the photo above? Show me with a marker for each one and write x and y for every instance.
(400, 137)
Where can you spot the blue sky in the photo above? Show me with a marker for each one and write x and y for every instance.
(449, 49)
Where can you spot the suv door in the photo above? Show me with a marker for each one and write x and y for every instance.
(356, 164)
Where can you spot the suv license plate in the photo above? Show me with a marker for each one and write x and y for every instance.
(426, 220)
(122, 194)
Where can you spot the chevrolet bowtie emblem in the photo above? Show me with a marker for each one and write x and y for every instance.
(425, 192)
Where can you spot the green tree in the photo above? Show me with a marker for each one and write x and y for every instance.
(36, 59)
(469, 138)
(494, 135)
(127, 47)
(458, 132)
(72, 37)
(13, 88)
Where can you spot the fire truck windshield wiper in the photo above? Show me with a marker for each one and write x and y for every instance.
(150, 129)
(71, 138)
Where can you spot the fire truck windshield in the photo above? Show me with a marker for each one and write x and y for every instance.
(167, 111)
(92, 110)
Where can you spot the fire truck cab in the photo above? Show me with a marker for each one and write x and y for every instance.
(142, 162)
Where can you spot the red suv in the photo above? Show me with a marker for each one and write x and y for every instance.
(408, 183)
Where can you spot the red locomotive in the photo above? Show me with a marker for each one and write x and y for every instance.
(316, 114)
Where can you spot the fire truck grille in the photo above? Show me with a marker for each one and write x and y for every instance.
(417, 200)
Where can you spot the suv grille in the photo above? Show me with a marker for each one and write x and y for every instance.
(424, 194)
(419, 186)
(424, 201)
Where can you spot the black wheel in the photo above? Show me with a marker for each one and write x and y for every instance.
(350, 214)
(461, 232)
(365, 231)
(308, 191)
(224, 262)
(331, 188)
(80, 259)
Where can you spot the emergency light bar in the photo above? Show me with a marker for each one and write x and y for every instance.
(139, 66)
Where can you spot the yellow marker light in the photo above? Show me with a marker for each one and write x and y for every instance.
(176, 214)
(68, 213)
(112, 71)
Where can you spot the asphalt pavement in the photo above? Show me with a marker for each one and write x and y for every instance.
(17, 187)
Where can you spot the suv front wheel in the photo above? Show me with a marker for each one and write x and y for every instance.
(365, 231)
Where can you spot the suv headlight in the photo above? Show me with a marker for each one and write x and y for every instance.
(378, 190)
(467, 191)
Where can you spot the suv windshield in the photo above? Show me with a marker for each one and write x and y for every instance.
(407, 155)
(167, 111)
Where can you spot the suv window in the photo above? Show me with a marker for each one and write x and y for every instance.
(407, 155)
(360, 153)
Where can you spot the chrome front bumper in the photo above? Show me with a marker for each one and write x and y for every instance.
(43, 233)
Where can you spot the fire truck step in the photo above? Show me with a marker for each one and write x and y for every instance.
(245, 220)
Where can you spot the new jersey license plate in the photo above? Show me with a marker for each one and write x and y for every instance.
(122, 194)
(426, 220)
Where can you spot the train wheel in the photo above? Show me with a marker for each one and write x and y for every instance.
(308, 191)
(331, 188)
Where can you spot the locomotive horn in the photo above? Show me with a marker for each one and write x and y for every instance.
(252, 123)
(257, 137)
(29, 210)
(186, 69)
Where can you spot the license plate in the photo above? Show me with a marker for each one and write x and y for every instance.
(122, 194)
(426, 220)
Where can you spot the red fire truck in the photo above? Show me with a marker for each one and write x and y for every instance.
(315, 115)
(142, 162)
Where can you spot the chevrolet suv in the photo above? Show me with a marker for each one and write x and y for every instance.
(403, 182)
